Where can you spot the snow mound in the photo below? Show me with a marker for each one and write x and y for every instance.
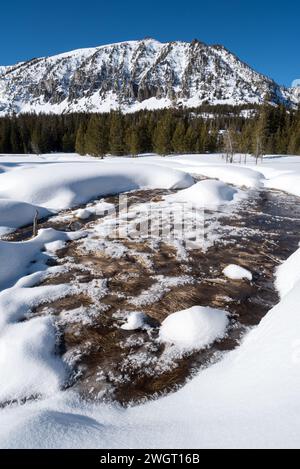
(206, 194)
(238, 176)
(194, 328)
(288, 274)
(286, 182)
(135, 320)
(59, 186)
(15, 213)
(28, 365)
(83, 214)
(17, 257)
(236, 272)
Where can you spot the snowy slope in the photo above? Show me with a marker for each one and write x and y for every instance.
(134, 75)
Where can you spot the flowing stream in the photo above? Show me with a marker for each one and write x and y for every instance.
(117, 277)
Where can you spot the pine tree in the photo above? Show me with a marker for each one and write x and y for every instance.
(35, 141)
(80, 139)
(178, 139)
(163, 135)
(5, 146)
(294, 141)
(191, 139)
(133, 141)
(202, 143)
(15, 139)
(266, 126)
(116, 134)
(276, 129)
(96, 143)
(68, 143)
(211, 141)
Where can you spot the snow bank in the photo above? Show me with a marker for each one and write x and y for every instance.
(239, 176)
(16, 258)
(236, 272)
(288, 274)
(194, 328)
(285, 182)
(58, 186)
(206, 194)
(275, 171)
(213, 166)
(28, 366)
(14, 213)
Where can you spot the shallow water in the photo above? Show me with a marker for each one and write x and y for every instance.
(107, 362)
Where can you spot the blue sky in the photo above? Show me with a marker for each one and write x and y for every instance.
(265, 34)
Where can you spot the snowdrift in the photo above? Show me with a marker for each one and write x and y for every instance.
(207, 194)
(63, 185)
(16, 258)
(14, 213)
(194, 328)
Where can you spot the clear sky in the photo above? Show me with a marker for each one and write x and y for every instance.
(263, 33)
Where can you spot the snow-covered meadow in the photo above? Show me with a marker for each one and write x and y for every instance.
(249, 398)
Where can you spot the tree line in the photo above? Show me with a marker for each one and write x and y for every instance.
(264, 129)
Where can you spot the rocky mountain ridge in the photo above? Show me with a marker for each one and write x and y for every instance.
(135, 75)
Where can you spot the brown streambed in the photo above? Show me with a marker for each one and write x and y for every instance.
(110, 363)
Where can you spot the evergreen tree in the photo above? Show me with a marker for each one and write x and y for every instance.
(96, 143)
(178, 139)
(35, 141)
(15, 139)
(116, 134)
(68, 143)
(191, 138)
(271, 129)
(5, 146)
(80, 139)
(163, 135)
(211, 145)
(133, 141)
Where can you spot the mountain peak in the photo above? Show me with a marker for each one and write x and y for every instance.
(134, 75)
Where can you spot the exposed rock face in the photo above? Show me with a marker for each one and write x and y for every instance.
(135, 75)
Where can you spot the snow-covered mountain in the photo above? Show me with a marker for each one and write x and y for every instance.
(135, 75)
